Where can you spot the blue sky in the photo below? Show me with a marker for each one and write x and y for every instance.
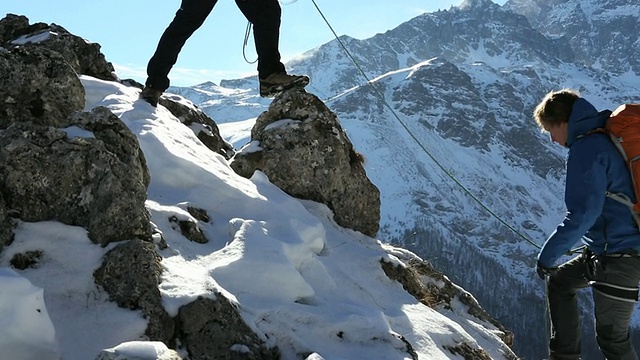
(129, 30)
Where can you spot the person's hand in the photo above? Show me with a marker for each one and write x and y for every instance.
(544, 271)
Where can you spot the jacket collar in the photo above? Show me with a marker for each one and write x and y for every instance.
(584, 118)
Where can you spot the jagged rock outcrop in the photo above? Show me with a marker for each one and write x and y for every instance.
(130, 273)
(40, 47)
(86, 171)
(213, 329)
(83, 56)
(305, 152)
(435, 290)
(203, 126)
(56, 162)
(37, 85)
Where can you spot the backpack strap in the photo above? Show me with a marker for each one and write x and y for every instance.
(621, 198)
(624, 199)
(596, 131)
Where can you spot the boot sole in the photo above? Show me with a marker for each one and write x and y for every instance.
(276, 89)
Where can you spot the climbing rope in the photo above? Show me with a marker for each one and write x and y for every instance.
(247, 33)
(246, 41)
(447, 172)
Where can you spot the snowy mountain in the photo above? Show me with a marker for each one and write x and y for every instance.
(449, 138)
(602, 34)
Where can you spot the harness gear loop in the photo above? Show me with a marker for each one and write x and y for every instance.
(595, 265)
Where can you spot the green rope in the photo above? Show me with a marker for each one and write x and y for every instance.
(416, 140)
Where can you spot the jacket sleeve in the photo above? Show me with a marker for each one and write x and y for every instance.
(584, 198)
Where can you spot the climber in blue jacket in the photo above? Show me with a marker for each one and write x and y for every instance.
(610, 263)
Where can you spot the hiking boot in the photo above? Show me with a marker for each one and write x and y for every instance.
(150, 95)
(278, 82)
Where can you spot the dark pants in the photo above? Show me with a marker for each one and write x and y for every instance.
(612, 315)
(263, 14)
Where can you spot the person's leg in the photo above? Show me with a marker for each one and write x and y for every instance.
(565, 340)
(188, 19)
(264, 15)
(612, 311)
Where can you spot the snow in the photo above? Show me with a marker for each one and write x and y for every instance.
(301, 281)
(618, 12)
(239, 132)
(141, 350)
(79, 311)
(74, 131)
(37, 38)
(26, 330)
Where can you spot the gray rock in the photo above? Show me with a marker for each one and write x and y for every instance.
(213, 329)
(97, 182)
(28, 259)
(13, 26)
(83, 56)
(306, 153)
(202, 125)
(6, 225)
(189, 229)
(117, 139)
(130, 273)
(37, 85)
(440, 293)
(199, 214)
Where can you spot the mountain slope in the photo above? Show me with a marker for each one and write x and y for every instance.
(304, 285)
(602, 34)
(463, 84)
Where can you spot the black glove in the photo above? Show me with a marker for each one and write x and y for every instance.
(544, 271)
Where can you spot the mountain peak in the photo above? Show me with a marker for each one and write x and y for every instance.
(207, 85)
(476, 4)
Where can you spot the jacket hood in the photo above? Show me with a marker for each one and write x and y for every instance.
(584, 117)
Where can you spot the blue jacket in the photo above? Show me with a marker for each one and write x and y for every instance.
(594, 166)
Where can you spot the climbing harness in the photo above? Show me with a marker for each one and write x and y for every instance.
(596, 264)
(621, 293)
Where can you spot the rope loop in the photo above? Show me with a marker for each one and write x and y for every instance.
(246, 41)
